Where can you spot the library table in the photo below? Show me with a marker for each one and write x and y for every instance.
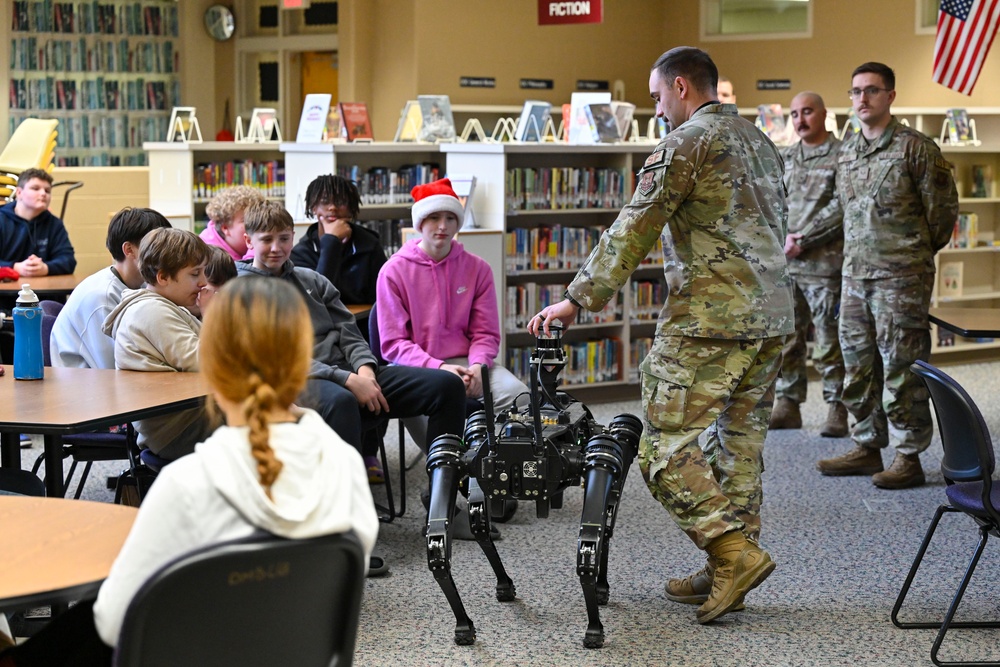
(78, 400)
(57, 550)
(44, 286)
(968, 322)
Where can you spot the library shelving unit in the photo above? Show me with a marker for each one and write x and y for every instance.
(107, 71)
(551, 201)
(183, 177)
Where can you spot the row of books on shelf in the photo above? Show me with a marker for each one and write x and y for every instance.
(587, 362)
(382, 185)
(101, 93)
(638, 350)
(389, 232)
(99, 159)
(91, 16)
(966, 232)
(529, 188)
(77, 55)
(101, 131)
(545, 248)
(268, 176)
(525, 300)
(648, 297)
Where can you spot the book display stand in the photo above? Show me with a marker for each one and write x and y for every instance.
(957, 135)
(504, 130)
(263, 126)
(184, 126)
(410, 122)
(474, 131)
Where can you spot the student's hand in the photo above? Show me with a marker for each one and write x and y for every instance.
(339, 227)
(33, 266)
(792, 247)
(565, 311)
(474, 387)
(365, 388)
(460, 371)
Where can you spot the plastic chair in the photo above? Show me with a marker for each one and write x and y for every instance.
(967, 467)
(31, 146)
(259, 601)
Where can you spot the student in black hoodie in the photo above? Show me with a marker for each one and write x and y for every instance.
(349, 255)
(33, 241)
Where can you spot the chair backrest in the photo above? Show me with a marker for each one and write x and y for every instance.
(21, 482)
(30, 146)
(965, 438)
(264, 600)
(374, 340)
(50, 311)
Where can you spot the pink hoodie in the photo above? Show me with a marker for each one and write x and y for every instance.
(430, 311)
(211, 236)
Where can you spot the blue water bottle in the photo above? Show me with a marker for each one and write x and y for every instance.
(29, 363)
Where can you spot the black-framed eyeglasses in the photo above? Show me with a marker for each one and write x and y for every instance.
(870, 91)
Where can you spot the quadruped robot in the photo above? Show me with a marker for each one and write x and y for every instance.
(534, 454)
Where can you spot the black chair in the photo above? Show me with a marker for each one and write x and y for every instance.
(81, 447)
(20, 482)
(259, 601)
(967, 467)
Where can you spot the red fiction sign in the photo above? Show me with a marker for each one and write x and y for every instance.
(551, 12)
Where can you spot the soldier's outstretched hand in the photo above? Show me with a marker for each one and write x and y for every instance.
(564, 311)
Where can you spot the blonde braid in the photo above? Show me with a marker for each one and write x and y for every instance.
(258, 403)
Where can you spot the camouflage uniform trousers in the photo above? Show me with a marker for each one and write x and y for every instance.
(724, 388)
(817, 300)
(883, 330)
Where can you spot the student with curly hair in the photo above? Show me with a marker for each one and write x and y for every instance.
(225, 224)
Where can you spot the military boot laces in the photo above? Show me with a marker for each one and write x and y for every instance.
(741, 566)
(858, 461)
(836, 421)
(785, 415)
(694, 588)
(905, 472)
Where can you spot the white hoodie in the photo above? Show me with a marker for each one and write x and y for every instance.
(215, 495)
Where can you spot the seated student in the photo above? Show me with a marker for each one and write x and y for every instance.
(225, 226)
(345, 385)
(219, 270)
(77, 339)
(154, 331)
(275, 467)
(335, 246)
(33, 241)
(437, 304)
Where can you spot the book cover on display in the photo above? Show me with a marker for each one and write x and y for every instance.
(410, 121)
(354, 121)
(624, 111)
(578, 125)
(958, 126)
(982, 181)
(951, 278)
(312, 123)
(531, 123)
(603, 124)
(438, 123)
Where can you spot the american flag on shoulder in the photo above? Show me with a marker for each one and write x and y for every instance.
(965, 31)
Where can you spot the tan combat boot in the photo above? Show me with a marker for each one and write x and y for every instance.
(858, 461)
(785, 415)
(694, 588)
(740, 566)
(836, 421)
(905, 472)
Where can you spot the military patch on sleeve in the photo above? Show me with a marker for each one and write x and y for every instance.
(658, 157)
(647, 183)
(941, 163)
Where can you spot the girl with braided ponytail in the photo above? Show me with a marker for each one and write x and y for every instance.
(273, 466)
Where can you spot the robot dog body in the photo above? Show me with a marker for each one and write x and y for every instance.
(552, 444)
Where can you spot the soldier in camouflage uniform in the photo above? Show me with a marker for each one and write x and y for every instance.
(900, 206)
(815, 251)
(712, 191)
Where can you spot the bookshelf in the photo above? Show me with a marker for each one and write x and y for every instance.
(107, 71)
(531, 193)
(184, 177)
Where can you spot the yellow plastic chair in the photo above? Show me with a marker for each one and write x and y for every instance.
(31, 146)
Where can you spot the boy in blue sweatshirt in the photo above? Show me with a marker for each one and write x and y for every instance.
(33, 241)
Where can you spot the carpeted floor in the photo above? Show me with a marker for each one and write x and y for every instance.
(842, 547)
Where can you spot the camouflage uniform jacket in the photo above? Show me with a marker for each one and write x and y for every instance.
(813, 208)
(900, 203)
(713, 189)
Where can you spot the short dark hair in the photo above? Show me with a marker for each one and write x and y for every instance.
(168, 250)
(31, 173)
(693, 64)
(267, 216)
(335, 190)
(130, 225)
(884, 71)
(220, 268)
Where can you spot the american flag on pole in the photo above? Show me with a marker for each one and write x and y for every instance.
(965, 31)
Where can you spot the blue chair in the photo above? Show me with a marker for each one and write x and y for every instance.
(261, 601)
(967, 467)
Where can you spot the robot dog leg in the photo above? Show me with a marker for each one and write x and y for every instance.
(606, 463)
(446, 466)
